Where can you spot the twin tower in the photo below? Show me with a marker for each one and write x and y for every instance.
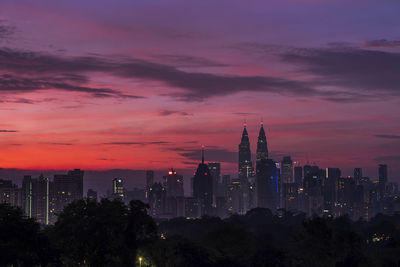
(246, 168)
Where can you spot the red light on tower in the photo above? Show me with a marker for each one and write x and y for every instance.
(169, 172)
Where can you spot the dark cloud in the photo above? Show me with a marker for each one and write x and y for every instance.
(367, 74)
(194, 86)
(188, 61)
(387, 136)
(388, 159)
(56, 144)
(173, 112)
(8, 131)
(137, 143)
(211, 154)
(6, 31)
(106, 159)
(363, 74)
(382, 43)
(243, 113)
(16, 84)
(23, 101)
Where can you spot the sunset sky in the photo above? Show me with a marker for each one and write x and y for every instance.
(142, 84)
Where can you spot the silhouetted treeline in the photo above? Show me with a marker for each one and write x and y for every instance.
(110, 233)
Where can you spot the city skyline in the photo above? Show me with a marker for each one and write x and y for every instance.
(274, 185)
(99, 179)
(245, 169)
(84, 88)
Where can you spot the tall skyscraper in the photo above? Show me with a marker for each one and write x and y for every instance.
(332, 176)
(118, 188)
(298, 176)
(267, 184)
(157, 199)
(215, 170)
(358, 175)
(66, 189)
(287, 170)
(77, 176)
(36, 198)
(149, 181)
(262, 147)
(236, 201)
(312, 185)
(10, 193)
(245, 164)
(288, 186)
(173, 184)
(383, 178)
(203, 187)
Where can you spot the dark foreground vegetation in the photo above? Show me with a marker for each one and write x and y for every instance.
(111, 234)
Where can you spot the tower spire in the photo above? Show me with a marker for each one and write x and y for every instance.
(202, 154)
(245, 123)
(262, 149)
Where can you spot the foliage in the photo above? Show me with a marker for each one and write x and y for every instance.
(107, 233)
(21, 242)
(110, 233)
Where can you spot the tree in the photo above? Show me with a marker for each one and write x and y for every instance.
(107, 233)
(21, 242)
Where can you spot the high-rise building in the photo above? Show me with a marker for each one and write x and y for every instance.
(226, 179)
(36, 199)
(312, 190)
(290, 197)
(215, 170)
(27, 196)
(173, 184)
(10, 193)
(77, 176)
(157, 199)
(149, 181)
(383, 178)
(298, 176)
(66, 189)
(288, 188)
(203, 187)
(332, 176)
(345, 198)
(287, 170)
(262, 147)
(235, 201)
(245, 164)
(267, 184)
(118, 188)
(358, 175)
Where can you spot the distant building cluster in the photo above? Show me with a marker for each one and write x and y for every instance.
(276, 185)
(41, 198)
